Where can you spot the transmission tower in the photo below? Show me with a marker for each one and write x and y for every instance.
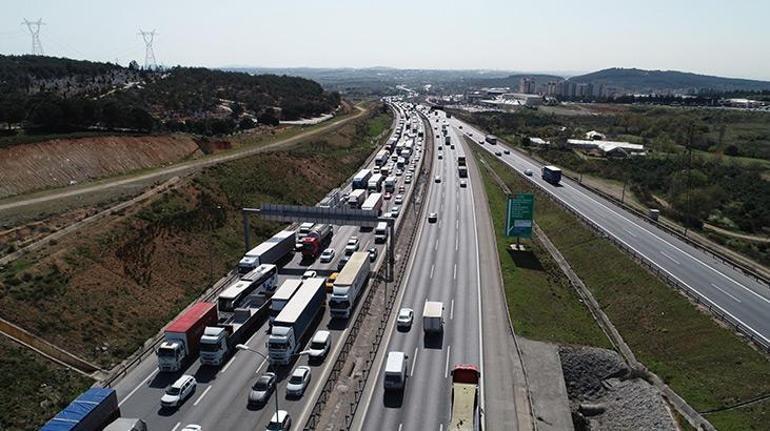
(34, 30)
(149, 54)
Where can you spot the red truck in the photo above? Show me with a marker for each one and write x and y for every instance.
(316, 240)
(182, 336)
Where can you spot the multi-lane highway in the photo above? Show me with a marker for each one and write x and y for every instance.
(743, 299)
(220, 400)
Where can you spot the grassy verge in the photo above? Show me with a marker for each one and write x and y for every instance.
(33, 388)
(542, 303)
(705, 363)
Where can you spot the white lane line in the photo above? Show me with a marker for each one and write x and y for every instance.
(176, 426)
(669, 257)
(446, 365)
(630, 233)
(399, 426)
(457, 243)
(454, 272)
(436, 246)
(482, 400)
(202, 395)
(457, 224)
(414, 362)
(726, 292)
(137, 388)
(440, 427)
(452, 310)
(227, 365)
(432, 267)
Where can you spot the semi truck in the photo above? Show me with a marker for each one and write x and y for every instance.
(381, 232)
(349, 284)
(316, 241)
(390, 184)
(270, 251)
(236, 325)
(293, 323)
(356, 198)
(375, 183)
(361, 179)
(552, 174)
(465, 399)
(127, 424)
(462, 168)
(381, 158)
(181, 336)
(92, 410)
(263, 280)
(282, 296)
(373, 203)
(433, 317)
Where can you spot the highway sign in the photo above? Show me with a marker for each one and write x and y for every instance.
(518, 218)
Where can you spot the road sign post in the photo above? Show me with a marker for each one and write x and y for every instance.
(518, 217)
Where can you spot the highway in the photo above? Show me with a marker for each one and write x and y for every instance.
(220, 400)
(743, 299)
(446, 266)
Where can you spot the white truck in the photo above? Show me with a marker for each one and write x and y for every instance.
(390, 184)
(356, 198)
(381, 232)
(282, 296)
(293, 323)
(181, 336)
(433, 317)
(373, 203)
(375, 182)
(270, 251)
(348, 285)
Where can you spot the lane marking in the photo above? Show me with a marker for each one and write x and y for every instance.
(482, 399)
(669, 257)
(399, 426)
(436, 246)
(432, 267)
(630, 233)
(414, 361)
(176, 426)
(227, 365)
(137, 387)
(454, 272)
(202, 395)
(457, 224)
(446, 364)
(457, 243)
(452, 310)
(440, 427)
(725, 292)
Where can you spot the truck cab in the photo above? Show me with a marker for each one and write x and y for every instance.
(396, 371)
(171, 355)
(214, 347)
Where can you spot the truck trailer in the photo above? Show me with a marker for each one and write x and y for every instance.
(356, 198)
(181, 336)
(349, 284)
(91, 411)
(465, 399)
(552, 174)
(373, 203)
(375, 183)
(282, 296)
(316, 240)
(361, 179)
(433, 317)
(293, 323)
(270, 251)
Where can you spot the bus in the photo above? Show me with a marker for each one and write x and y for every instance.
(264, 277)
(361, 180)
(552, 174)
(381, 158)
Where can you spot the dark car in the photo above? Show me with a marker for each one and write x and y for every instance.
(262, 389)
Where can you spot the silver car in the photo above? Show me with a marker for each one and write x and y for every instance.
(298, 381)
(262, 389)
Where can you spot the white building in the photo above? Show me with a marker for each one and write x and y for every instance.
(608, 148)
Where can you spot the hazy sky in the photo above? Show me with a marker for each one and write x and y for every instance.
(728, 38)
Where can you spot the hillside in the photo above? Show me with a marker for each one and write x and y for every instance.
(56, 95)
(639, 80)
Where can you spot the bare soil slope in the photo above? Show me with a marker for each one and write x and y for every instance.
(55, 163)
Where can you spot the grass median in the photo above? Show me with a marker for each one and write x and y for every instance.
(708, 365)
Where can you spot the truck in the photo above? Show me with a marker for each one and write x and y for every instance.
(390, 184)
(465, 398)
(433, 317)
(373, 203)
(462, 171)
(349, 283)
(92, 410)
(361, 179)
(127, 424)
(552, 174)
(233, 327)
(316, 241)
(181, 336)
(375, 183)
(461, 160)
(332, 199)
(262, 280)
(381, 232)
(282, 296)
(491, 139)
(447, 141)
(302, 232)
(381, 157)
(270, 251)
(293, 323)
(356, 198)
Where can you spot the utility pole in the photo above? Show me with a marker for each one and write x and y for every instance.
(149, 55)
(690, 131)
(34, 31)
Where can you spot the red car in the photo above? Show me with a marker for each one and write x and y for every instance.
(387, 195)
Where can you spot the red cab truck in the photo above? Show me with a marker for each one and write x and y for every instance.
(316, 240)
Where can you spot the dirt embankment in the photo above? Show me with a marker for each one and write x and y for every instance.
(60, 162)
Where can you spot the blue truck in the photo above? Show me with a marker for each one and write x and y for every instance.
(552, 174)
(93, 410)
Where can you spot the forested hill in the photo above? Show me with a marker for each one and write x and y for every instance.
(52, 94)
(640, 80)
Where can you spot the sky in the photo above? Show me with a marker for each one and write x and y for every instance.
(724, 38)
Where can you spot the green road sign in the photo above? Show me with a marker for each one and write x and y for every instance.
(518, 219)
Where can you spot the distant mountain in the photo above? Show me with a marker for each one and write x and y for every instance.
(647, 81)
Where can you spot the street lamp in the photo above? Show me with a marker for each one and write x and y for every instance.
(270, 362)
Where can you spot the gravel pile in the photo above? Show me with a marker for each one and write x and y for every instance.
(605, 395)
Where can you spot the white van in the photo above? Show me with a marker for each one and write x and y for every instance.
(320, 345)
(381, 232)
(396, 371)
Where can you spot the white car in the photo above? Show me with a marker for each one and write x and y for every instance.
(309, 274)
(352, 245)
(463, 183)
(528, 172)
(507, 151)
(440, 156)
(405, 317)
(298, 381)
(179, 391)
(432, 217)
(408, 179)
(327, 255)
(399, 199)
(437, 179)
(280, 421)
(395, 211)
(320, 345)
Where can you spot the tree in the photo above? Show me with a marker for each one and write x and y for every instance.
(731, 150)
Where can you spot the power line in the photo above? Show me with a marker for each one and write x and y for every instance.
(149, 54)
(34, 31)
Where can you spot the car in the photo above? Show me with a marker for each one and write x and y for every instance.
(308, 274)
(329, 284)
(399, 172)
(528, 172)
(401, 189)
(440, 148)
(470, 135)
(408, 179)
(376, 170)
(387, 195)
(179, 391)
(343, 260)
(396, 210)
(440, 156)
(481, 142)
(437, 178)
(353, 242)
(463, 183)
(460, 126)
(327, 255)
(506, 151)
(192, 427)
(499, 154)
(298, 381)
(432, 217)
(405, 318)
(262, 389)
(372, 254)
(320, 345)
(280, 421)
(399, 199)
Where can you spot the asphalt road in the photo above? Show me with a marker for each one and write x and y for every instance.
(742, 298)
(219, 402)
